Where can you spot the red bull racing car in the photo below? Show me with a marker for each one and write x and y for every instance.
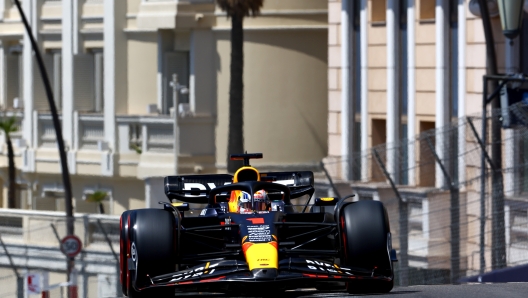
(249, 234)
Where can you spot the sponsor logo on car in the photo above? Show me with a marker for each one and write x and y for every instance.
(194, 272)
(326, 267)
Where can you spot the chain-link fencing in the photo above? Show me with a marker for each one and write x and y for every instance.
(31, 245)
(457, 202)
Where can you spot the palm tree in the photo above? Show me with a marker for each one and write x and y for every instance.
(98, 197)
(8, 126)
(237, 10)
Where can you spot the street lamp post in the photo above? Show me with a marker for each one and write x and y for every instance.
(511, 15)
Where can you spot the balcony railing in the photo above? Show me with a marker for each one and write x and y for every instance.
(148, 133)
(133, 131)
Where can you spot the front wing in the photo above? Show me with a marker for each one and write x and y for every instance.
(292, 273)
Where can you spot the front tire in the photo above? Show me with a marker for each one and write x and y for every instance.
(365, 238)
(153, 235)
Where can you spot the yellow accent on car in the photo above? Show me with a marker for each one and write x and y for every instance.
(253, 173)
(262, 255)
(243, 169)
(206, 267)
(337, 267)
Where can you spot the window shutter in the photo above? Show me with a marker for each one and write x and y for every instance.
(84, 83)
(57, 79)
(178, 63)
(99, 82)
(12, 79)
(41, 101)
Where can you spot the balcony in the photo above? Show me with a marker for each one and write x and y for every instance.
(144, 146)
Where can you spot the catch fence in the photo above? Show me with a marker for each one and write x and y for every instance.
(31, 245)
(458, 204)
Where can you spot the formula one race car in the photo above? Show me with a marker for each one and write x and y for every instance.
(249, 234)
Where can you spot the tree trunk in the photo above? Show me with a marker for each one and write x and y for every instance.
(11, 192)
(101, 208)
(236, 94)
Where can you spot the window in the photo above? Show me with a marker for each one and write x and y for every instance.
(415, 210)
(427, 9)
(379, 11)
(51, 201)
(13, 66)
(176, 62)
(523, 161)
(518, 231)
(89, 81)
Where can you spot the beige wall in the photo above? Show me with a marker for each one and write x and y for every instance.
(285, 86)
(425, 63)
(142, 72)
(285, 95)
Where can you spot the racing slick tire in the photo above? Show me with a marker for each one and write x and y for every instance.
(153, 250)
(365, 237)
(124, 248)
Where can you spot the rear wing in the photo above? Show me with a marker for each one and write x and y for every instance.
(196, 188)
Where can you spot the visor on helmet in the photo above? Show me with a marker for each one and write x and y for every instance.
(261, 202)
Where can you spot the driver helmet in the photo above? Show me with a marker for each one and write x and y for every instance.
(260, 198)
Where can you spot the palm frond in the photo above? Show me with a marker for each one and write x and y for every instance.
(8, 125)
(97, 196)
(136, 148)
(241, 8)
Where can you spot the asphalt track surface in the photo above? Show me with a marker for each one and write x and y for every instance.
(513, 290)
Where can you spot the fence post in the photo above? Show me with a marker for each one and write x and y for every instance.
(20, 286)
(404, 225)
(498, 229)
(455, 216)
(20, 279)
(108, 241)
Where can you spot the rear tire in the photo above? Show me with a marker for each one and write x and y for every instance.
(123, 254)
(153, 250)
(365, 238)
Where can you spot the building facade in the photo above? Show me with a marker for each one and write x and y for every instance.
(399, 68)
(111, 64)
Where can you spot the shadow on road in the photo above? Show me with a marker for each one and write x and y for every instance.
(296, 294)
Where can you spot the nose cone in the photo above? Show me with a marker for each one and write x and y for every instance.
(264, 273)
(261, 255)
